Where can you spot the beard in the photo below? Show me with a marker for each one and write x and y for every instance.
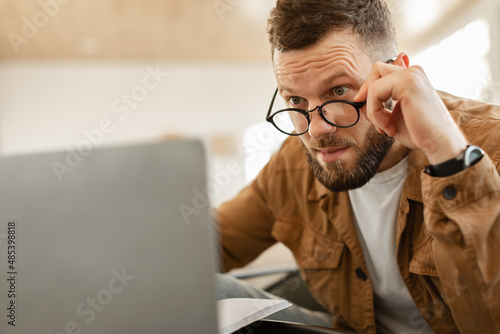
(336, 176)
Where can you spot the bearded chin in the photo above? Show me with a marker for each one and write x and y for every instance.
(337, 177)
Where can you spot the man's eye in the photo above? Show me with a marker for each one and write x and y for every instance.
(295, 100)
(340, 90)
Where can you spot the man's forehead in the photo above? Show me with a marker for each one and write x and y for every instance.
(336, 44)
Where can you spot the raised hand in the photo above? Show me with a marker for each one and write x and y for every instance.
(419, 119)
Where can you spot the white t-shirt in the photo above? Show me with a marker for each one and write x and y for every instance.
(375, 207)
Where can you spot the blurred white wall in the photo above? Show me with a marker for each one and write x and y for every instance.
(46, 106)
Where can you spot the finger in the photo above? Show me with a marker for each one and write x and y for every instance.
(383, 122)
(379, 70)
(397, 121)
(378, 93)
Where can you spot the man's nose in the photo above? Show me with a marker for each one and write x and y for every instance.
(319, 127)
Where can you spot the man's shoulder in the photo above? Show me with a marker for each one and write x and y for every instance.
(291, 156)
(464, 109)
(479, 122)
(289, 171)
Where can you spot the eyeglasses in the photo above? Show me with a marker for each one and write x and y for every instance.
(296, 122)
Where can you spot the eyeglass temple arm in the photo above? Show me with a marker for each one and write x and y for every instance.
(391, 60)
(272, 103)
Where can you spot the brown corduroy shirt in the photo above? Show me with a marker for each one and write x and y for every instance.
(447, 238)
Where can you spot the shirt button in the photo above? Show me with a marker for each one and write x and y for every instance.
(450, 192)
(360, 274)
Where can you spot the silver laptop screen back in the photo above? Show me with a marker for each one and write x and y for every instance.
(116, 245)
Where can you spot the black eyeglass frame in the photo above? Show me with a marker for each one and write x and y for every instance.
(356, 105)
(269, 117)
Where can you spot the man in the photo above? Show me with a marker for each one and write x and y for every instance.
(393, 218)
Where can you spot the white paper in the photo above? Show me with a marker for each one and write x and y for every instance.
(236, 313)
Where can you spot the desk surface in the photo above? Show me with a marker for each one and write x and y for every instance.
(270, 326)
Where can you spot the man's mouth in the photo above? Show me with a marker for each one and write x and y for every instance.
(331, 154)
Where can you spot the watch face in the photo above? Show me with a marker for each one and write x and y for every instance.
(475, 155)
(472, 155)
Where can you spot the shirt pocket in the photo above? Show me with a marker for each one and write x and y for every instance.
(422, 261)
(318, 258)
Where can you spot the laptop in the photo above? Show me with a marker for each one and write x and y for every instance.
(107, 241)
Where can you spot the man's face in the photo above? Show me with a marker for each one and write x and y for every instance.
(333, 69)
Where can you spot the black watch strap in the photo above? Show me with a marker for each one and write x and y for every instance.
(467, 158)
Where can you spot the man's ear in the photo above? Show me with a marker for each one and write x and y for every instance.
(402, 60)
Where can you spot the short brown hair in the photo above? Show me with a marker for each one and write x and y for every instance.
(296, 24)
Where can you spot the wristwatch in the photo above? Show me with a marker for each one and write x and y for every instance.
(467, 158)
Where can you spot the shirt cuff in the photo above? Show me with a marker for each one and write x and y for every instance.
(449, 193)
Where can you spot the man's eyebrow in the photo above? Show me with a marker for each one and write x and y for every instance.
(334, 77)
(283, 88)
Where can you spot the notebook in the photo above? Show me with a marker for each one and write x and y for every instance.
(112, 240)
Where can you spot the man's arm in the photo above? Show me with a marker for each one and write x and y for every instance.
(245, 222)
(462, 211)
(463, 214)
